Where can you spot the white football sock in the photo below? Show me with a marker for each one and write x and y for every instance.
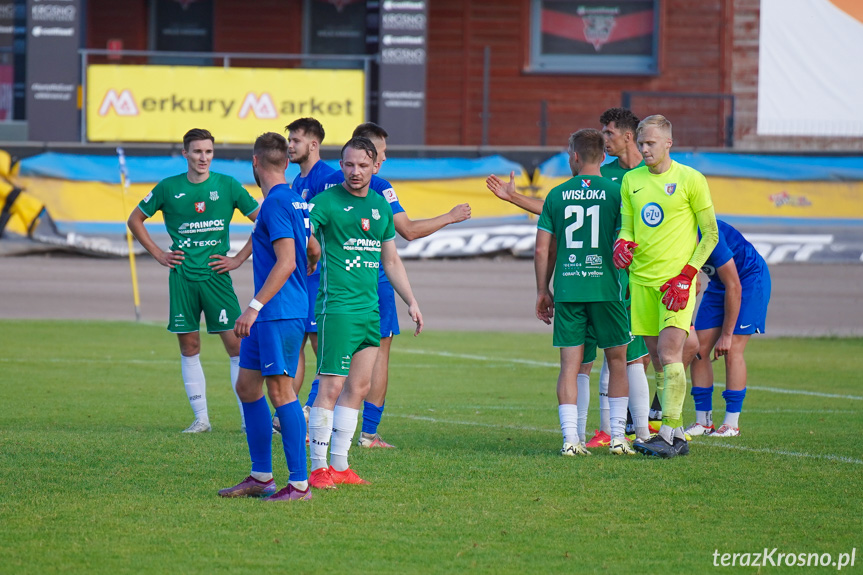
(731, 419)
(568, 414)
(604, 416)
(617, 413)
(679, 433)
(583, 405)
(705, 418)
(639, 399)
(301, 485)
(235, 373)
(196, 385)
(344, 426)
(261, 476)
(320, 430)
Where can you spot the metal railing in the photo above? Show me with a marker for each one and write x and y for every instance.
(363, 61)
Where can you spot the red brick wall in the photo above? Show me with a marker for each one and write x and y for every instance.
(273, 26)
(693, 36)
(264, 26)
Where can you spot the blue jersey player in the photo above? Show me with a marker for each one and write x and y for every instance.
(305, 136)
(373, 406)
(272, 327)
(733, 307)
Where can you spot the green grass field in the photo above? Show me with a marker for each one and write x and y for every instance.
(96, 478)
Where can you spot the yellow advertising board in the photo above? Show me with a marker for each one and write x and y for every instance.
(161, 103)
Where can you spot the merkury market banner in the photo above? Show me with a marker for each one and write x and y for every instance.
(161, 103)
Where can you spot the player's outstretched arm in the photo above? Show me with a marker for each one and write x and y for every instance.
(730, 278)
(286, 262)
(397, 275)
(506, 192)
(136, 226)
(543, 267)
(414, 229)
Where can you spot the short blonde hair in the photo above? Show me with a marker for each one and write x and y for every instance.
(657, 120)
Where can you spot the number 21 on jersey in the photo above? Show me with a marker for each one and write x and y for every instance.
(579, 213)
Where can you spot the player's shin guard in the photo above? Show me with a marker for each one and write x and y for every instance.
(196, 385)
(293, 424)
(673, 395)
(320, 430)
(344, 426)
(617, 412)
(583, 383)
(639, 399)
(568, 414)
(372, 415)
(259, 435)
(733, 406)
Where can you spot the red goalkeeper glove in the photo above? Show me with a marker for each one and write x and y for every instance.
(677, 289)
(623, 253)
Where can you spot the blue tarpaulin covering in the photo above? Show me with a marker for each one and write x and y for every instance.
(152, 169)
(754, 166)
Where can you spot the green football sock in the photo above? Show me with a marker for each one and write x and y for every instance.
(660, 384)
(673, 395)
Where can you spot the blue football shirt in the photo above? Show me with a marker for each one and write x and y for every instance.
(313, 184)
(732, 245)
(283, 214)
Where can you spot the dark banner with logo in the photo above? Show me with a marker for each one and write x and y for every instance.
(53, 69)
(402, 79)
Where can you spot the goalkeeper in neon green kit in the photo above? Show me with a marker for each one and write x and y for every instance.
(663, 206)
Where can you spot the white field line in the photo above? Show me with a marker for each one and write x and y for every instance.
(707, 442)
(596, 368)
(522, 407)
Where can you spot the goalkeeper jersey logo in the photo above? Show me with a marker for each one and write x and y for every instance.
(366, 224)
(200, 207)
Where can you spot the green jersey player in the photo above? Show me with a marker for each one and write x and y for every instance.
(579, 222)
(197, 207)
(354, 226)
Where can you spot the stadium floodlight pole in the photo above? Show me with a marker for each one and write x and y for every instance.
(124, 182)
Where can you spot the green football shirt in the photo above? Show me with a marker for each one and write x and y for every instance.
(614, 171)
(584, 216)
(351, 231)
(198, 217)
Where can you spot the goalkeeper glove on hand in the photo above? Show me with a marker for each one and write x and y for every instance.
(623, 253)
(677, 289)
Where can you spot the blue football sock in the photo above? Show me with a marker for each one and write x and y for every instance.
(313, 393)
(259, 434)
(294, 439)
(703, 397)
(372, 415)
(734, 400)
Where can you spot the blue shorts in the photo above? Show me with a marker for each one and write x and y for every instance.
(387, 305)
(753, 307)
(313, 283)
(273, 347)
